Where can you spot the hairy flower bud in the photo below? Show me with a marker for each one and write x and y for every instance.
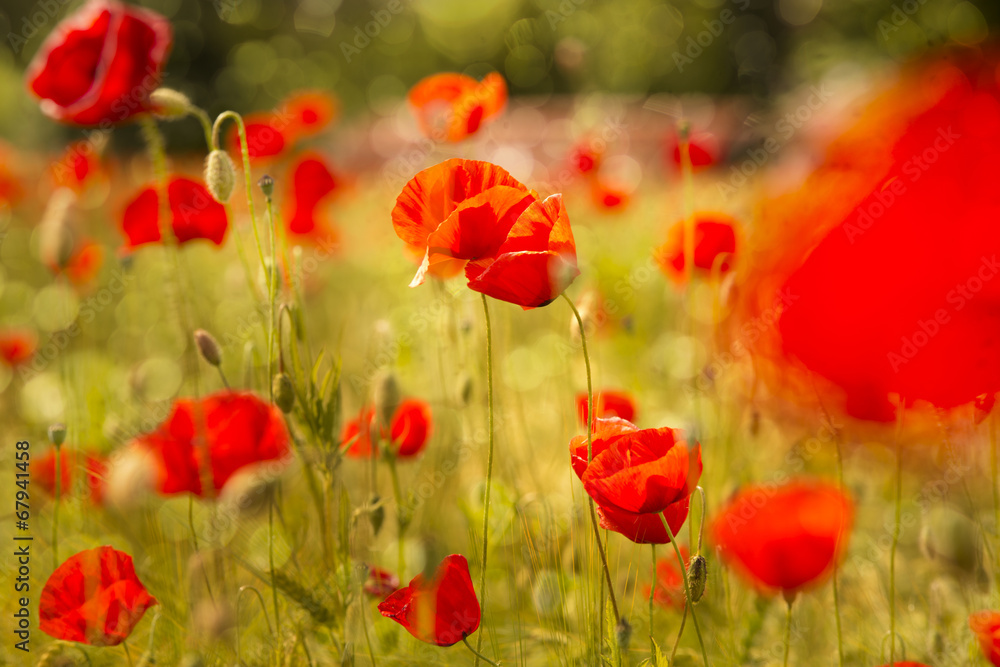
(266, 185)
(386, 398)
(208, 347)
(220, 175)
(697, 575)
(284, 392)
(169, 104)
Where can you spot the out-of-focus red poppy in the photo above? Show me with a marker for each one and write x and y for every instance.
(43, 471)
(619, 489)
(195, 214)
(609, 197)
(908, 663)
(607, 403)
(787, 538)
(76, 167)
(714, 246)
(99, 65)
(265, 136)
(85, 263)
(454, 188)
(669, 591)
(237, 429)
(900, 212)
(584, 158)
(308, 112)
(703, 148)
(985, 625)
(17, 346)
(441, 611)
(453, 106)
(409, 429)
(311, 185)
(94, 597)
(96, 467)
(380, 583)
(535, 263)
(11, 188)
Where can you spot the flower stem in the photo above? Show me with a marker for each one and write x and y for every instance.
(687, 588)
(55, 512)
(652, 594)
(788, 631)
(489, 472)
(895, 535)
(479, 656)
(590, 455)
(994, 476)
(247, 176)
(270, 564)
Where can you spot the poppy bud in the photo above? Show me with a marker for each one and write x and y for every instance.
(386, 398)
(464, 389)
(169, 104)
(623, 633)
(57, 434)
(266, 185)
(697, 577)
(220, 175)
(284, 392)
(208, 347)
(56, 243)
(376, 513)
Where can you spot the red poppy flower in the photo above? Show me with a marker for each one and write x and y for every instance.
(986, 626)
(607, 403)
(195, 213)
(238, 429)
(785, 538)
(96, 468)
(11, 188)
(311, 185)
(535, 263)
(669, 582)
(17, 346)
(409, 429)
(84, 263)
(99, 66)
(308, 112)
(77, 167)
(714, 246)
(584, 158)
(608, 197)
(266, 137)
(454, 106)
(441, 611)
(94, 597)
(43, 471)
(670, 469)
(433, 197)
(908, 663)
(380, 583)
(703, 148)
(900, 212)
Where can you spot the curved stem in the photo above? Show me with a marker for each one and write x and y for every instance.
(247, 176)
(239, 598)
(489, 471)
(687, 588)
(479, 656)
(788, 631)
(590, 456)
(270, 563)
(680, 633)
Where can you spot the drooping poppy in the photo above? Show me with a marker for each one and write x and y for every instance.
(310, 186)
(607, 403)
(900, 212)
(238, 429)
(17, 346)
(99, 65)
(669, 591)
(308, 112)
(441, 611)
(703, 149)
(43, 471)
(380, 583)
(785, 538)
(454, 106)
(664, 474)
(714, 246)
(195, 214)
(409, 429)
(93, 597)
(985, 625)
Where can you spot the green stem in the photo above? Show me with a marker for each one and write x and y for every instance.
(272, 292)
(652, 594)
(401, 521)
(489, 472)
(247, 176)
(479, 656)
(128, 654)
(194, 542)
(687, 588)
(590, 457)
(895, 535)
(55, 511)
(270, 564)
(994, 476)
(836, 565)
(788, 631)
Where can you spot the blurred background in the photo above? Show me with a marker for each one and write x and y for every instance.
(249, 54)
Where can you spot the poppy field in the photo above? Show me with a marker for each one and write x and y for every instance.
(501, 333)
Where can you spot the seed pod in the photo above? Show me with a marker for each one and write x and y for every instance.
(266, 185)
(464, 389)
(386, 398)
(208, 347)
(169, 104)
(697, 577)
(623, 633)
(57, 434)
(220, 175)
(284, 392)
(376, 513)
